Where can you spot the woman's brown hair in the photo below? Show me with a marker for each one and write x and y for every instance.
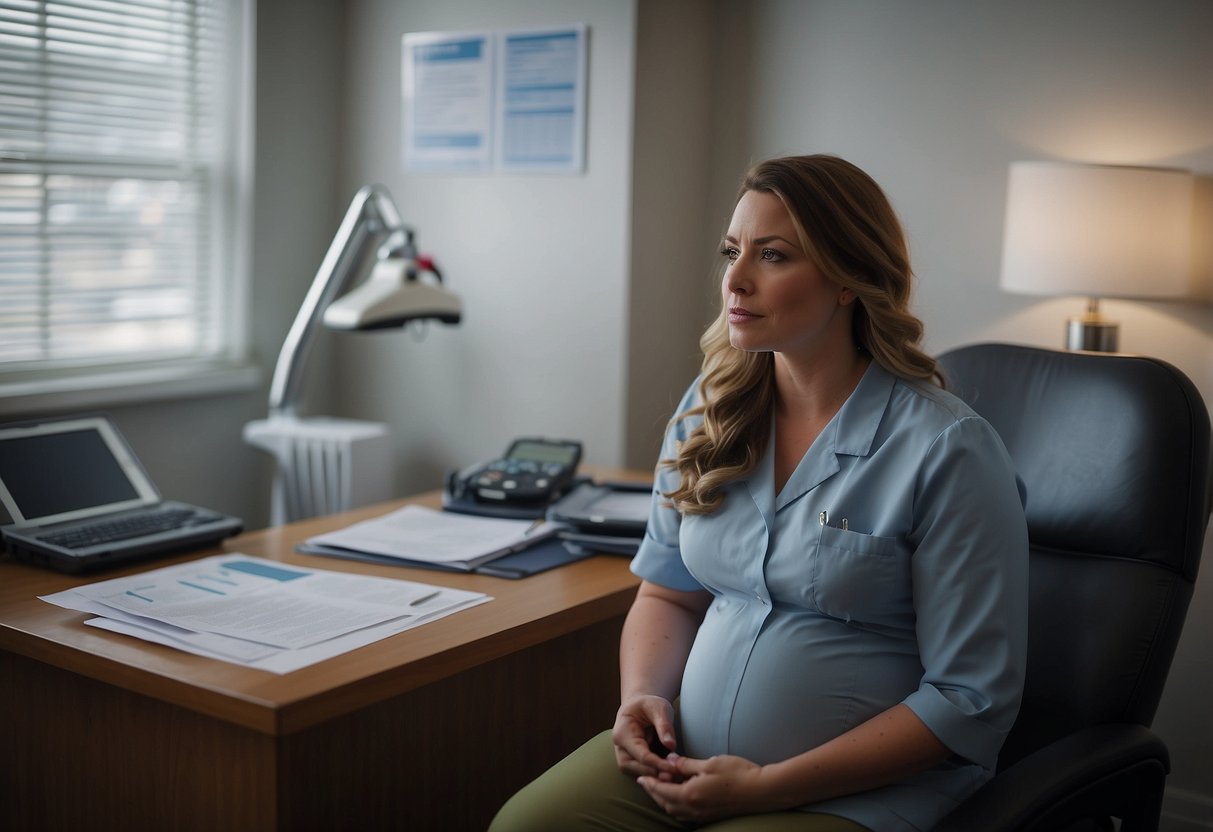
(850, 232)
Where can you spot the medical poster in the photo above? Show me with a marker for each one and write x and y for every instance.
(448, 94)
(541, 100)
(509, 101)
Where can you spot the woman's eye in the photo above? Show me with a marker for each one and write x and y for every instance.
(771, 255)
(730, 252)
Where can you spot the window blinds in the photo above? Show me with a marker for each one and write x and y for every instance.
(111, 120)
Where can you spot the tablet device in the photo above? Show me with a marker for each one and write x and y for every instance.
(614, 509)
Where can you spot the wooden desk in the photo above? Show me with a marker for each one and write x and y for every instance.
(430, 729)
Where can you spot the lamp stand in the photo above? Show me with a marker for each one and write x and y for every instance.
(327, 465)
(1092, 331)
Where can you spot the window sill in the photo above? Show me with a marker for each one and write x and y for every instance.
(125, 387)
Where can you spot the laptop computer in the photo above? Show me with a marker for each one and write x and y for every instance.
(77, 499)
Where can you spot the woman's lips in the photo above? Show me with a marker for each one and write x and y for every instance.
(737, 315)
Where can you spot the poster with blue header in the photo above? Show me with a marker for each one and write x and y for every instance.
(448, 101)
(541, 99)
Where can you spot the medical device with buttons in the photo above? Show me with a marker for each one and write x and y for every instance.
(530, 471)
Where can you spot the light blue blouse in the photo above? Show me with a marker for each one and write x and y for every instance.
(912, 590)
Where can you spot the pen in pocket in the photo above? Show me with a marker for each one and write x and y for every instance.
(824, 517)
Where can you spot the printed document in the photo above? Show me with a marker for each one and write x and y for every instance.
(427, 537)
(260, 612)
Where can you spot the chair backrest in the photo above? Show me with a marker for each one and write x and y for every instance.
(1114, 452)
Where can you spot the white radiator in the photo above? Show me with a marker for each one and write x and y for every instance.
(325, 465)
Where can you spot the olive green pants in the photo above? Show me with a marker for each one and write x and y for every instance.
(586, 792)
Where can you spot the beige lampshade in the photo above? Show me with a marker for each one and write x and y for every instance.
(1097, 230)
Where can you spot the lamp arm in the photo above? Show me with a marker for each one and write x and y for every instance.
(372, 214)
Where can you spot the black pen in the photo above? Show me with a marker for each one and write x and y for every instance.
(419, 601)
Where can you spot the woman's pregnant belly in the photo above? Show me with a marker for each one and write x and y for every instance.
(768, 687)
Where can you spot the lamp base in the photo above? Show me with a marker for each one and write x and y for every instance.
(1093, 333)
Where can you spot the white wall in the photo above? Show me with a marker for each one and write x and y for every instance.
(675, 222)
(541, 261)
(934, 98)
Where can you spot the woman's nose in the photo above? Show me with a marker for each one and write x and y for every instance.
(736, 280)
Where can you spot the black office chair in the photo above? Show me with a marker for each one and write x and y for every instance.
(1114, 450)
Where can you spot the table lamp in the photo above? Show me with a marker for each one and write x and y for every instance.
(1100, 231)
(324, 464)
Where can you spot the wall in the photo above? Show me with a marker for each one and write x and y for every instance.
(934, 99)
(296, 210)
(541, 261)
(676, 227)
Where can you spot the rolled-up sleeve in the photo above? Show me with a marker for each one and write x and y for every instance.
(659, 558)
(969, 574)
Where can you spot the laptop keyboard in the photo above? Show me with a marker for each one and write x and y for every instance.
(124, 528)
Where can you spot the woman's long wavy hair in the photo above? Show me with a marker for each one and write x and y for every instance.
(849, 230)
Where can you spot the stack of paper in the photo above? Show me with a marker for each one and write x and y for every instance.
(261, 613)
(421, 536)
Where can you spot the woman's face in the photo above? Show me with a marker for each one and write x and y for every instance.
(776, 299)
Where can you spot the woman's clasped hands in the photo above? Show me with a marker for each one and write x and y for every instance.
(642, 724)
(687, 789)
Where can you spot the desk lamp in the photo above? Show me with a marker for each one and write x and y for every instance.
(318, 456)
(1100, 231)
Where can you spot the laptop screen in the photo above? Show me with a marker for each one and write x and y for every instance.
(68, 470)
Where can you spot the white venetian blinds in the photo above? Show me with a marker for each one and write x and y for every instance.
(113, 132)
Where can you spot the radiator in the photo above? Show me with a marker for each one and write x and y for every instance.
(324, 465)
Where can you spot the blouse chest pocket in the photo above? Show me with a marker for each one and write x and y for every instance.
(859, 577)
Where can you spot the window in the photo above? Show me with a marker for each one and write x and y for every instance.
(122, 151)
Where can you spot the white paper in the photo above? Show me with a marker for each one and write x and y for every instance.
(511, 101)
(208, 644)
(541, 95)
(286, 661)
(439, 537)
(260, 612)
(272, 604)
(447, 90)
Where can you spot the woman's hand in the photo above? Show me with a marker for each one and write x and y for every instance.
(657, 636)
(700, 791)
(643, 722)
(888, 747)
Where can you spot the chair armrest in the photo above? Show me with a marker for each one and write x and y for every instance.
(1105, 770)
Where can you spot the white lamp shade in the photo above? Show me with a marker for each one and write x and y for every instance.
(1097, 230)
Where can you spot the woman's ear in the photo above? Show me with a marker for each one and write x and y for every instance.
(846, 297)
